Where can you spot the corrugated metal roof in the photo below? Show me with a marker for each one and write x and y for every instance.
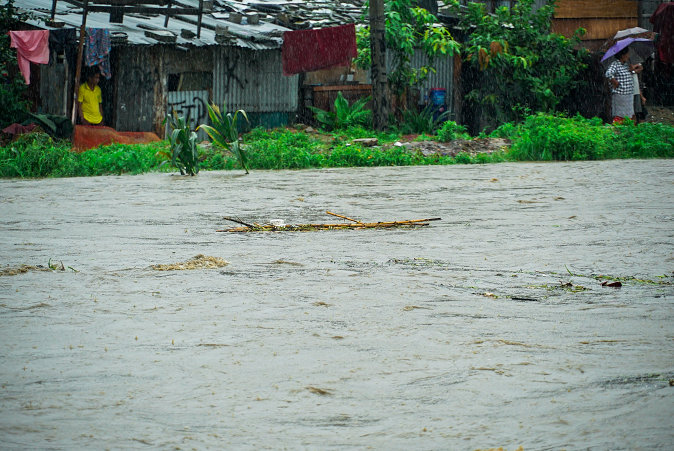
(256, 37)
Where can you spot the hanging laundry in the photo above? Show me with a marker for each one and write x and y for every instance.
(60, 42)
(663, 23)
(310, 50)
(98, 49)
(31, 46)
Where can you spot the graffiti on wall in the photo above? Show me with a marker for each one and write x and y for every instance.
(192, 105)
(230, 65)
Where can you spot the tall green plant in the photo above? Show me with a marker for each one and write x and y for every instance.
(225, 132)
(183, 151)
(450, 131)
(13, 107)
(519, 63)
(344, 116)
(408, 29)
(422, 122)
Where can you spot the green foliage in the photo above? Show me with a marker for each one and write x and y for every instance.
(541, 137)
(225, 132)
(283, 149)
(450, 131)
(645, 140)
(520, 63)
(59, 127)
(408, 28)
(421, 122)
(546, 137)
(344, 116)
(13, 107)
(357, 132)
(38, 155)
(182, 151)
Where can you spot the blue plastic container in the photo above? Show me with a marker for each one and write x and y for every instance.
(438, 96)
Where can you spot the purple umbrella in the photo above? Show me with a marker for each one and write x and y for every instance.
(644, 47)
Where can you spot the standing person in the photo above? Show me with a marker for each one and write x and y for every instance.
(622, 87)
(90, 101)
(639, 99)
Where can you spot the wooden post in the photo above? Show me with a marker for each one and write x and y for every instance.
(458, 89)
(168, 13)
(201, 13)
(78, 68)
(53, 9)
(378, 71)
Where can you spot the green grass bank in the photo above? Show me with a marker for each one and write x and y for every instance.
(539, 137)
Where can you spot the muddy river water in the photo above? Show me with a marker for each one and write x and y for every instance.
(489, 328)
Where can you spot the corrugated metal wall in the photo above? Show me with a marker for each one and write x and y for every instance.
(253, 81)
(192, 105)
(442, 78)
(137, 76)
(55, 88)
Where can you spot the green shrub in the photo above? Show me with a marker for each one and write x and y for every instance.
(13, 105)
(645, 141)
(421, 122)
(34, 155)
(509, 130)
(344, 116)
(546, 137)
(450, 131)
(38, 155)
(281, 149)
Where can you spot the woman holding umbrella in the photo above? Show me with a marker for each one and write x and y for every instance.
(622, 87)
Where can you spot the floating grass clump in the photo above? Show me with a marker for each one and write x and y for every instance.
(197, 262)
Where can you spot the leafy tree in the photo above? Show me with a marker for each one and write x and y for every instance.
(520, 65)
(13, 108)
(408, 28)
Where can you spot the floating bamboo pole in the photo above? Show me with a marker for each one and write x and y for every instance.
(410, 223)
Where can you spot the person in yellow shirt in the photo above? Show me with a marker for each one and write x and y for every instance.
(90, 102)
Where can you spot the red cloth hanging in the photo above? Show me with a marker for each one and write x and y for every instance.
(663, 23)
(31, 46)
(310, 50)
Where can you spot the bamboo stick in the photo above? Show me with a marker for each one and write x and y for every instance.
(238, 221)
(308, 227)
(343, 217)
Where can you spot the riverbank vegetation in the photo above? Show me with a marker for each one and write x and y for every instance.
(540, 137)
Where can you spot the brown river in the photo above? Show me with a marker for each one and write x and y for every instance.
(489, 328)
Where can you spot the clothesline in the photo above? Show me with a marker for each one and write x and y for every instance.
(33, 47)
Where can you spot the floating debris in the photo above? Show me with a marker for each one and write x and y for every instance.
(15, 270)
(319, 391)
(409, 308)
(606, 283)
(499, 449)
(354, 224)
(197, 262)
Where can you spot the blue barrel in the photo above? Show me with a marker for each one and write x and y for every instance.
(438, 96)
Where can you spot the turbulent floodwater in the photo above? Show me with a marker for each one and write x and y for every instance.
(470, 333)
